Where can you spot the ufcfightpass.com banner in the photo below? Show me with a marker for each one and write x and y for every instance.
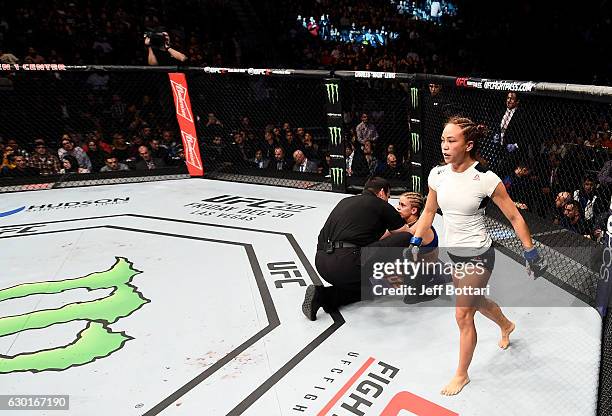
(499, 85)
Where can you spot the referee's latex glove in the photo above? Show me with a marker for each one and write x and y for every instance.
(536, 265)
(415, 246)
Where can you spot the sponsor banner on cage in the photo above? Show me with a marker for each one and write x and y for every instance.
(184, 116)
(498, 85)
(604, 283)
(374, 74)
(33, 67)
(249, 71)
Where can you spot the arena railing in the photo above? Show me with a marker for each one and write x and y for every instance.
(225, 123)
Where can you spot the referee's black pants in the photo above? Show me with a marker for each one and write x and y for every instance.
(341, 269)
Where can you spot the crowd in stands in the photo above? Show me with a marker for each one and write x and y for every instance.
(562, 175)
(560, 172)
(417, 45)
(285, 148)
(79, 32)
(472, 40)
(77, 155)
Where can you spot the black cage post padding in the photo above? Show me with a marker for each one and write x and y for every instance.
(335, 127)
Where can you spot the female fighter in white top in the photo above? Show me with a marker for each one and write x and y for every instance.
(461, 188)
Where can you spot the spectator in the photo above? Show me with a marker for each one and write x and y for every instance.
(17, 149)
(120, 147)
(146, 161)
(70, 164)
(169, 143)
(160, 51)
(300, 134)
(135, 144)
(590, 203)
(573, 220)
(245, 125)
(269, 144)
(214, 153)
(113, 165)
(213, 127)
(33, 57)
(97, 136)
(604, 176)
(118, 110)
(302, 164)
(519, 186)
(279, 163)
(356, 162)
(390, 149)
(157, 151)
(511, 137)
(7, 57)
(558, 210)
(95, 155)
(20, 168)
(311, 149)
(289, 143)
(98, 81)
(365, 130)
(551, 178)
(393, 170)
(259, 161)
(69, 148)
(238, 153)
(43, 160)
(6, 158)
(371, 160)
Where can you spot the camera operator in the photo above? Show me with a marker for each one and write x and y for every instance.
(159, 49)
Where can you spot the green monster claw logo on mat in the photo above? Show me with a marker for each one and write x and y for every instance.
(96, 341)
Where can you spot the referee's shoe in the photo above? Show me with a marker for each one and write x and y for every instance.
(311, 303)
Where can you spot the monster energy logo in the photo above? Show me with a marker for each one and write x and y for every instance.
(414, 96)
(416, 183)
(335, 135)
(416, 142)
(332, 93)
(337, 175)
(96, 341)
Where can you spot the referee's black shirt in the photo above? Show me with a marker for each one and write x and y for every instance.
(360, 220)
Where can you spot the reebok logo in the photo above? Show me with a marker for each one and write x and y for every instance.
(477, 177)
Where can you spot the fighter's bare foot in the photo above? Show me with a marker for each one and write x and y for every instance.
(504, 342)
(455, 385)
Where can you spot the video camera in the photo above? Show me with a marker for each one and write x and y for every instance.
(157, 39)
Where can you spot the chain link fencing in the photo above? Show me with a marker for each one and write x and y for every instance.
(317, 130)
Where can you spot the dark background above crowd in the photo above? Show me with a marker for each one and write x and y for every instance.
(542, 41)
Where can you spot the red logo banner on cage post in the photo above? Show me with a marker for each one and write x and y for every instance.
(184, 116)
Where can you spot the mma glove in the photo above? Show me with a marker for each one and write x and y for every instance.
(535, 264)
(415, 246)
